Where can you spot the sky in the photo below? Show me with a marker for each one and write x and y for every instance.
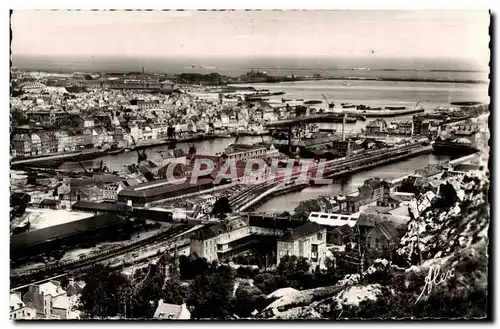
(450, 34)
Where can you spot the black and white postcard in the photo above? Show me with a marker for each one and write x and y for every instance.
(249, 164)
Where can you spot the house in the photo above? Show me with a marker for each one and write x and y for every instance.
(99, 136)
(88, 138)
(36, 144)
(62, 191)
(166, 311)
(49, 204)
(207, 242)
(382, 237)
(20, 310)
(342, 235)
(86, 190)
(49, 300)
(73, 288)
(391, 202)
(85, 122)
(21, 143)
(376, 127)
(375, 189)
(367, 221)
(308, 241)
(353, 203)
(64, 142)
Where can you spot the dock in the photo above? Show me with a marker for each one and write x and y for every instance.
(383, 113)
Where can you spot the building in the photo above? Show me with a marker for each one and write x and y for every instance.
(21, 144)
(99, 208)
(166, 311)
(237, 152)
(367, 221)
(49, 300)
(50, 204)
(225, 240)
(18, 309)
(85, 122)
(376, 127)
(52, 238)
(417, 125)
(374, 189)
(382, 237)
(308, 241)
(342, 235)
(335, 220)
(158, 190)
(86, 190)
(343, 148)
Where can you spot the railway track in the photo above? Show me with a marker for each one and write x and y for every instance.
(61, 268)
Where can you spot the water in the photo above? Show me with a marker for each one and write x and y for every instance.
(275, 66)
(209, 147)
(371, 93)
(379, 93)
(350, 184)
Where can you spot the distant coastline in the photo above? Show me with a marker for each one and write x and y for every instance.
(276, 80)
(280, 69)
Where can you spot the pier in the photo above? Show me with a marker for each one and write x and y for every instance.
(314, 118)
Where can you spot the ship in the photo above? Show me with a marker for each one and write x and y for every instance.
(312, 102)
(90, 154)
(395, 107)
(115, 150)
(347, 106)
(75, 89)
(47, 161)
(454, 146)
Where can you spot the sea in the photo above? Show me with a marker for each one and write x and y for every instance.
(369, 66)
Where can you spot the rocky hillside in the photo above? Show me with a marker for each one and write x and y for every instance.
(442, 270)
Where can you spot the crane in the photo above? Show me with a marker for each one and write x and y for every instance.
(330, 105)
(141, 156)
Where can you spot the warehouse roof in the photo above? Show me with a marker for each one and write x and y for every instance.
(94, 206)
(161, 187)
(27, 239)
(301, 232)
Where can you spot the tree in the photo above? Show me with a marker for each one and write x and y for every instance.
(269, 282)
(211, 295)
(247, 299)
(306, 207)
(285, 214)
(190, 268)
(221, 207)
(101, 297)
(292, 264)
(174, 292)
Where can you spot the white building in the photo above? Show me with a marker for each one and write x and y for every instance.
(307, 241)
(166, 311)
(18, 309)
(49, 299)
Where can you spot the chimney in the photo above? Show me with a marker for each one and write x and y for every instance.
(160, 302)
(343, 127)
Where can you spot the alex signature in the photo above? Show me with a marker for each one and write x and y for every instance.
(434, 278)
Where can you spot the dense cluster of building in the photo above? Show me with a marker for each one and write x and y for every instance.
(53, 115)
(48, 301)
